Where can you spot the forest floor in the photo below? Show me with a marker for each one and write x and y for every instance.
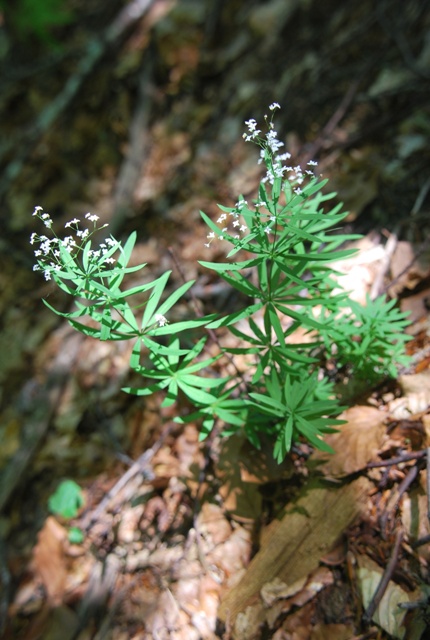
(184, 539)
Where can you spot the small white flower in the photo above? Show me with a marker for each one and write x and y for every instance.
(33, 238)
(161, 320)
(284, 156)
(274, 105)
(68, 241)
(69, 224)
(46, 219)
(207, 244)
(312, 163)
(222, 218)
(91, 217)
(251, 124)
(36, 267)
(110, 260)
(36, 210)
(47, 274)
(243, 228)
(267, 230)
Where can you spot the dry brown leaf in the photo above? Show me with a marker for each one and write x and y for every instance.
(417, 305)
(355, 444)
(416, 396)
(277, 589)
(213, 524)
(406, 270)
(332, 632)
(49, 560)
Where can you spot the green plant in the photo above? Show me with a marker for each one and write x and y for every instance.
(36, 17)
(66, 502)
(287, 241)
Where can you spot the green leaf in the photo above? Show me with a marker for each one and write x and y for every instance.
(157, 291)
(235, 317)
(67, 499)
(174, 297)
(196, 395)
(75, 535)
(267, 404)
(233, 266)
(127, 250)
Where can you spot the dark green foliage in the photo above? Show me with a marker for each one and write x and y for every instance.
(28, 18)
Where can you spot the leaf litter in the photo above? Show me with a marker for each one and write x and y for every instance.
(174, 542)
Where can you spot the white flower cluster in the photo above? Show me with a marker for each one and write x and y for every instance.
(270, 143)
(48, 254)
(238, 224)
(274, 161)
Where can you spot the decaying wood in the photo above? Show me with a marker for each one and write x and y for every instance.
(293, 546)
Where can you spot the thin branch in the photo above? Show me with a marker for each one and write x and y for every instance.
(387, 575)
(398, 459)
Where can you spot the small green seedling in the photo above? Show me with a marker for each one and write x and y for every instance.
(66, 502)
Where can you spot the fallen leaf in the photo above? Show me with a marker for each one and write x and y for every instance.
(277, 589)
(388, 614)
(49, 560)
(355, 444)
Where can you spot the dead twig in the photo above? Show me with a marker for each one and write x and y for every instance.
(141, 465)
(420, 542)
(395, 500)
(387, 575)
(378, 284)
(406, 457)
